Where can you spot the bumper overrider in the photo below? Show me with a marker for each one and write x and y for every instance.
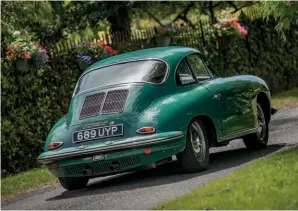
(161, 139)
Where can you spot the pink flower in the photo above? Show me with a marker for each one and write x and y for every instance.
(44, 50)
(214, 25)
(243, 31)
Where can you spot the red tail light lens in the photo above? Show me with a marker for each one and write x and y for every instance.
(54, 165)
(146, 130)
(55, 145)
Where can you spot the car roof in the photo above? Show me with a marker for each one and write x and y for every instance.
(168, 54)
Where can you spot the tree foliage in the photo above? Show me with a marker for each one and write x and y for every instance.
(285, 12)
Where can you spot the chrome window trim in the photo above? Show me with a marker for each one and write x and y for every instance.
(175, 72)
(192, 69)
(124, 62)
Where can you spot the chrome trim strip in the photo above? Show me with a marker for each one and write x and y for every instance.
(123, 62)
(118, 146)
(239, 134)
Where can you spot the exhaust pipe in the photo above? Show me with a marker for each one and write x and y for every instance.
(273, 110)
(87, 171)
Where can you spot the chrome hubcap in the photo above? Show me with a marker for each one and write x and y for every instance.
(198, 141)
(261, 123)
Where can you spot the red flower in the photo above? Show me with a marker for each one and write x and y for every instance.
(163, 30)
(12, 56)
(108, 48)
(16, 47)
(235, 23)
(27, 56)
(115, 52)
(100, 42)
(7, 53)
(9, 48)
(19, 55)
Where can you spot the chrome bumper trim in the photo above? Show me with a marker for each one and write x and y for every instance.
(119, 146)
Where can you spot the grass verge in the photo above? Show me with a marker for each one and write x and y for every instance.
(26, 181)
(270, 183)
(288, 99)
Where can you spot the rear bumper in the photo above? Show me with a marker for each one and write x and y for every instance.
(45, 158)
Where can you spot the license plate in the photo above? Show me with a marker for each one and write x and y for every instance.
(97, 133)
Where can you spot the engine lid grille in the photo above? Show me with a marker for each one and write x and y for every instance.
(92, 105)
(104, 103)
(115, 101)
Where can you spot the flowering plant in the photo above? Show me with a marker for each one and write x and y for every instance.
(165, 31)
(23, 48)
(89, 52)
(228, 26)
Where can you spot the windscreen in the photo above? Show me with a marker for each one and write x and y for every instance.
(149, 71)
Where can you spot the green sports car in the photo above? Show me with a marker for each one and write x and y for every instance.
(138, 109)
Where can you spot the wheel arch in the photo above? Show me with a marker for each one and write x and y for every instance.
(210, 128)
(264, 101)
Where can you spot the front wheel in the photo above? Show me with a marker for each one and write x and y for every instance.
(73, 183)
(258, 140)
(195, 156)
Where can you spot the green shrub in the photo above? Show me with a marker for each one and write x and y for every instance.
(31, 102)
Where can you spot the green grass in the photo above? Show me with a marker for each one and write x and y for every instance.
(28, 180)
(288, 99)
(269, 183)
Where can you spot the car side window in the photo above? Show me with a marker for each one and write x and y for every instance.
(198, 67)
(183, 74)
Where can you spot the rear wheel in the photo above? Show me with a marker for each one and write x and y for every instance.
(73, 183)
(195, 156)
(258, 140)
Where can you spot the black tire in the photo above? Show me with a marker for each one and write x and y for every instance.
(195, 158)
(258, 140)
(73, 183)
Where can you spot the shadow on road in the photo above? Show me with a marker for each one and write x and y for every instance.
(168, 173)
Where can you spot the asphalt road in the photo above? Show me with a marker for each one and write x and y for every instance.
(144, 190)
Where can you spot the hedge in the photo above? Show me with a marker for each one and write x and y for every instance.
(31, 102)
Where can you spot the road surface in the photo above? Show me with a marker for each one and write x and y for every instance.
(144, 190)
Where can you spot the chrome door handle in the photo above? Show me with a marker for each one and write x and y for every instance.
(216, 97)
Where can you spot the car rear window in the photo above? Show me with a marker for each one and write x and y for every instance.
(148, 71)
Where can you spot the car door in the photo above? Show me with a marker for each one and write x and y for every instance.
(227, 93)
(214, 84)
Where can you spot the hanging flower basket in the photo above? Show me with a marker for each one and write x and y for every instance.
(22, 65)
(87, 53)
(25, 53)
(163, 41)
(227, 29)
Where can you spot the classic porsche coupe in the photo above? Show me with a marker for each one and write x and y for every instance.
(139, 109)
